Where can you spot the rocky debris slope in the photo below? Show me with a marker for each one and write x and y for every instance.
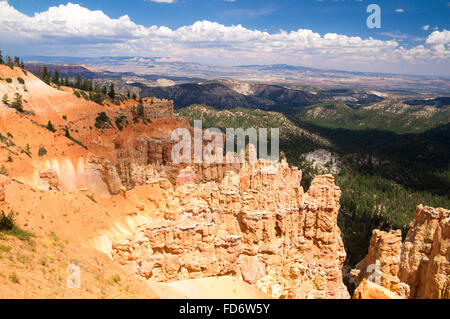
(370, 290)
(257, 225)
(418, 268)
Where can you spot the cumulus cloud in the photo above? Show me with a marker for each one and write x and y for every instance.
(399, 10)
(78, 30)
(439, 37)
(426, 27)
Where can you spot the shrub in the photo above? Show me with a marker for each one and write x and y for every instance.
(5, 99)
(7, 221)
(13, 277)
(3, 170)
(8, 80)
(9, 227)
(54, 237)
(84, 95)
(96, 97)
(103, 121)
(114, 279)
(121, 122)
(77, 94)
(42, 151)
(17, 103)
(5, 249)
(21, 81)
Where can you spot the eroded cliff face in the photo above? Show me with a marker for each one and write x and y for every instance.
(154, 108)
(257, 225)
(418, 268)
(425, 259)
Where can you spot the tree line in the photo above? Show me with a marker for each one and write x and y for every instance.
(11, 62)
(97, 92)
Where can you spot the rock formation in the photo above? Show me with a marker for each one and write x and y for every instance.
(51, 178)
(153, 108)
(381, 265)
(257, 225)
(425, 259)
(418, 268)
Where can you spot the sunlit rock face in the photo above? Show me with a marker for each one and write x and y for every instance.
(256, 224)
(420, 266)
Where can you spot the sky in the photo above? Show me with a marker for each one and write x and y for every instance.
(414, 36)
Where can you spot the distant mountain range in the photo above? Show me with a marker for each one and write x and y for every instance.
(274, 74)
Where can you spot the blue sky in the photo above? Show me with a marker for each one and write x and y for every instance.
(406, 22)
(346, 17)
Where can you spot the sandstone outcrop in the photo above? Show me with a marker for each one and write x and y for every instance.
(257, 225)
(153, 108)
(51, 178)
(381, 265)
(418, 268)
(425, 259)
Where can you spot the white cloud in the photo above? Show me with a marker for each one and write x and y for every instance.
(439, 37)
(426, 27)
(73, 29)
(399, 10)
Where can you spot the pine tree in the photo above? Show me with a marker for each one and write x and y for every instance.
(85, 85)
(9, 61)
(78, 82)
(17, 61)
(128, 94)
(66, 81)
(97, 88)
(45, 76)
(50, 127)
(1, 58)
(67, 133)
(55, 78)
(140, 108)
(111, 92)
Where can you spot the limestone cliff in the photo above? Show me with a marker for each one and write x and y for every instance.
(257, 225)
(418, 268)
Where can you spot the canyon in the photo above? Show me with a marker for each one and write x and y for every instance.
(107, 187)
